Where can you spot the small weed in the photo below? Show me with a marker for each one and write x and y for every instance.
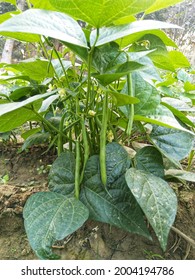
(152, 256)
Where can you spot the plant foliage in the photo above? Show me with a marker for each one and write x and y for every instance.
(103, 80)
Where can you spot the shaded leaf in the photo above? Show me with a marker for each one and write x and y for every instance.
(180, 174)
(62, 174)
(149, 159)
(35, 139)
(116, 206)
(157, 200)
(173, 143)
(50, 216)
(119, 72)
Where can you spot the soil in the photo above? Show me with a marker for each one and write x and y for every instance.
(28, 172)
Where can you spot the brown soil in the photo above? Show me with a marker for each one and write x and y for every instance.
(94, 240)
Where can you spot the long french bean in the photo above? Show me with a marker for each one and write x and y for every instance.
(77, 169)
(103, 141)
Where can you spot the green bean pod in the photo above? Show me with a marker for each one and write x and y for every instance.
(77, 169)
(86, 147)
(103, 141)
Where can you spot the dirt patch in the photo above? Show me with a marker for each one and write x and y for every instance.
(27, 173)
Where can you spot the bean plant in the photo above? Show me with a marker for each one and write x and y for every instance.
(112, 93)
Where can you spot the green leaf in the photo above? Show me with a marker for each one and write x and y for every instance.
(62, 174)
(35, 139)
(149, 159)
(132, 38)
(178, 59)
(40, 4)
(161, 4)
(162, 116)
(175, 144)
(30, 132)
(58, 67)
(189, 86)
(147, 94)
(47, 102)
(8, 15)
(36, 70)
(13, 2)
(177, 112)
(123, 99)
(157, 200)
(112, 33)
(107, 57)
(49, 217)
(116, 206)
(160, 55)
(14, 114)
(117, 161)
(47, 23)
(180, 174)
(18, 93)
(100, 13)
(119, 72)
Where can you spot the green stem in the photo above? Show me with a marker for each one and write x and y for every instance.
(28, 4)
(48, 124)
(64, 70)
(77, 170)
(47, 56)
(103, 141)
(131, 109)
(90, 56)
(60, 137)
(86, 147)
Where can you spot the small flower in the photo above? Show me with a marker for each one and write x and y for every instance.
(92, 113)
(51, 87)
(110, 136)
(62, 92)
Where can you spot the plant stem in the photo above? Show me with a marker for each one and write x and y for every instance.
(86, 147)
(90, 56)
(103, 141)
(60, 137)
(77, 170)
(131, 109)
(47, 122)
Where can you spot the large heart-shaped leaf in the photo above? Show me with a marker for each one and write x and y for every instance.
(50, 216)
(150, 160)
(173, 143)
(99, 12)
(116, 205)
(62, 174)
(157, 200)
(47, 23)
